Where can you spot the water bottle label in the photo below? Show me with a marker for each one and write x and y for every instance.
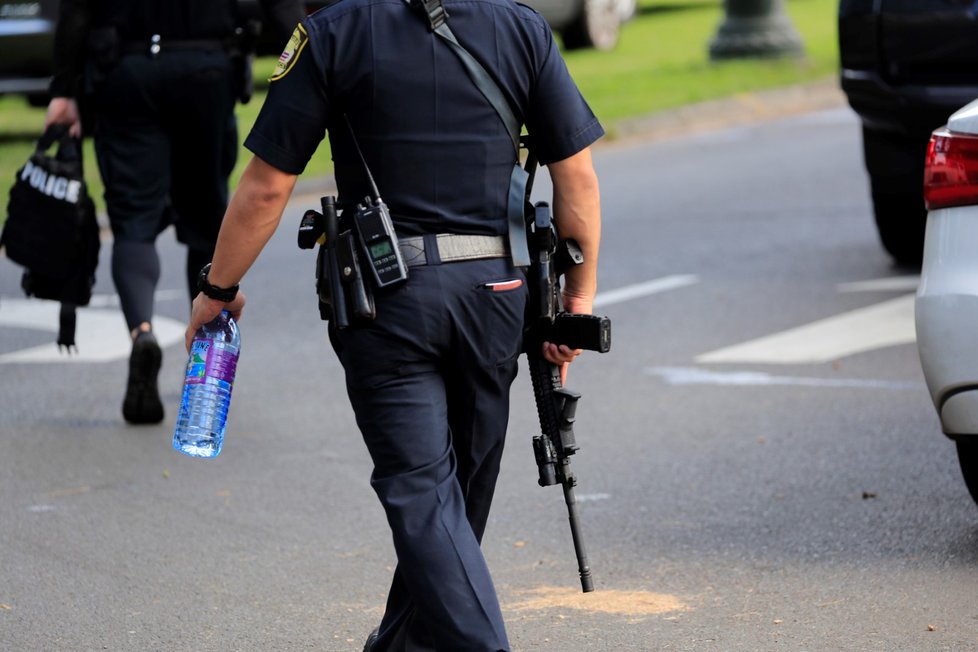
(206, 362)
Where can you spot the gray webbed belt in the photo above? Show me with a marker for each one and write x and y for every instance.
(449, 248)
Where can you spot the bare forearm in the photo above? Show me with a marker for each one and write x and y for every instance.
(252, 217)
(577, 213)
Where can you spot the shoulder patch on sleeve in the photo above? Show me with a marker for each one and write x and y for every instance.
(297, 42)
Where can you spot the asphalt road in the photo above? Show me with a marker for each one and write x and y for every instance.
(761, 468)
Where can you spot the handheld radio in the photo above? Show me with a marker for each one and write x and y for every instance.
(379, 242)
(375, 229)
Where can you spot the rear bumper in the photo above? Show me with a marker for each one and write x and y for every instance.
(947, 317)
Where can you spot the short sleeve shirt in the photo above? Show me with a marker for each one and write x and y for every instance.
(438, 151)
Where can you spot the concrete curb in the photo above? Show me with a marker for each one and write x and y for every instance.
(739, 109)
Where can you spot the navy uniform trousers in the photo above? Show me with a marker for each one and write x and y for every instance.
(429, 382)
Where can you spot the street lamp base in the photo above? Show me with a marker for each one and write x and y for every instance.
(756, 37)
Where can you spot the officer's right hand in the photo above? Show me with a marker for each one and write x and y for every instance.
(579, 304)
(205, 309)
(64, 111)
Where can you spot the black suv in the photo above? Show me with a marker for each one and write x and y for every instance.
(906, 66)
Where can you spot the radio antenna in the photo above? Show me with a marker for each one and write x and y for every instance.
(370, 177)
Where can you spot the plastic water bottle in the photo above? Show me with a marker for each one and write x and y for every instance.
(207, 388)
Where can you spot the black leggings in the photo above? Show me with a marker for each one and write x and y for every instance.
(136, 271)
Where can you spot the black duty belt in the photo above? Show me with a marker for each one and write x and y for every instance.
(449, 248)
(156, 44)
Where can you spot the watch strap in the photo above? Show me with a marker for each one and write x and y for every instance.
(218, 294)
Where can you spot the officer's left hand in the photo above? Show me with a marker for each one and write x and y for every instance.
(205, 309)
(64, 111)
(562, 355)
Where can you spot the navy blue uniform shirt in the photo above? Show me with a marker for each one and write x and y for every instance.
(437, 149)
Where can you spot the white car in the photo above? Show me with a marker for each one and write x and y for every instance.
(947, 298)
(586, 23)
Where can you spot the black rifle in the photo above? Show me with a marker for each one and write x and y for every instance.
(556, 406)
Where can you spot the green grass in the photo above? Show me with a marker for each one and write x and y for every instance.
(661, 62)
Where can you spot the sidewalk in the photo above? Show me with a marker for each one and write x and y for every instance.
(740, 109)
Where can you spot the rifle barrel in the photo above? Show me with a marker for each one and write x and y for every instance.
(587, 585)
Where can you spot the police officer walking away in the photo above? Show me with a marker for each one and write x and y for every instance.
(429, 377)
(161, 84)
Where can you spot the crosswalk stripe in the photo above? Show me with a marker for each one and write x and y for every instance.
(100, 334)
(698, 376)
(647, 288)
(884, 324)
(890, 284)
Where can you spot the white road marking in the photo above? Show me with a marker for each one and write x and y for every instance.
(100, 334)
(37, 509)
(695, 376)
(644, 289)
(877, 326)
(588, 498)
(892, 284)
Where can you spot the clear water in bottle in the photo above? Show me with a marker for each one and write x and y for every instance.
(207, 388)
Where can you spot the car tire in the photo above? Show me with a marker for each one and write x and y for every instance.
(900, 221)
(895, 163)
(597, 26)
(968, 459)
(627, 9)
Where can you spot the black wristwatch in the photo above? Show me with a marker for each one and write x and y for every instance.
(218, 294)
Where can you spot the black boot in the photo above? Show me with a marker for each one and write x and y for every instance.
(142, 402)
(371, 639)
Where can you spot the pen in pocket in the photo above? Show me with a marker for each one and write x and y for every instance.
(503, 286)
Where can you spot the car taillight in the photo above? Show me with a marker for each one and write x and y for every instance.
(951, 170)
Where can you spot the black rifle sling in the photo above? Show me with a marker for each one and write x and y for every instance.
(437, 21)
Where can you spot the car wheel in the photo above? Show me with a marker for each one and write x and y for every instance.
(596, 26)
(900, 220)
(968, 458)
(895, 163)
(627, 9)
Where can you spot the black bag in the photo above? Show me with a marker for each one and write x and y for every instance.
(51, 228)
